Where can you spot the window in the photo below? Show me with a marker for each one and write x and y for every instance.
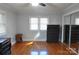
(43, 23)
(77, 21)
(38, 23)
(2, 25)
(34, 23)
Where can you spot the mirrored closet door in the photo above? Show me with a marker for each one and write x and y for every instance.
(74, 32)
(66, 25)
(71, 32)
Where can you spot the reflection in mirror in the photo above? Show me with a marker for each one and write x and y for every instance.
(66, 30)
(71, 32)
(75, 32)
(75, 37)
(66, 35)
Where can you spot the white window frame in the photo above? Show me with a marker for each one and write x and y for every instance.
(33, 24)
(39, 24)
(42, 23)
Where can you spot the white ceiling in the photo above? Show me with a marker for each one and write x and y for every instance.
(62, 5)
(26, 6)
(58, 5)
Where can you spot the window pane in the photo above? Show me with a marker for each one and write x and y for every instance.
(34, 20)
(43, 23)
(34, 23)
(44, 20)
(34, 27)
(43, 27)
(77, 21)
(2, 29)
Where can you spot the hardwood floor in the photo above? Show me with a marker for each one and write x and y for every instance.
(75, 47)
(26, 48)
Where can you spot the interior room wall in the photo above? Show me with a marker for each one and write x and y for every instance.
(11, 26)
(10, 22)
(20, 23)
(23, 25)
(67, 20)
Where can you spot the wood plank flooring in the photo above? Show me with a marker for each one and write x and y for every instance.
(26, 48)
(75, 47)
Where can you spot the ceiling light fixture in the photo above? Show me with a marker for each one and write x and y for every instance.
(35, 4)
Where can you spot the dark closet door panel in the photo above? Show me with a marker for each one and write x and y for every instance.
(75, 33)
(66, 33)
(53, 33)
(53, 36)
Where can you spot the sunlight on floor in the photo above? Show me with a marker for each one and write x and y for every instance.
(40, 52)
(36, 36)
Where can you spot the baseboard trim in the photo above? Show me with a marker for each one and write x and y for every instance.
(34, 40)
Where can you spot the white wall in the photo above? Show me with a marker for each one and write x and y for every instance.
(10, 22)
(11, 26)
(67, 20)
(23, 23)
(20, 23)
